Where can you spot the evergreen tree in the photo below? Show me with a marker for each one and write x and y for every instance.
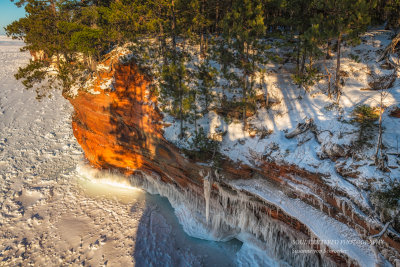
(63, 32)
(243, 31)
(173, 85)
(387, 11)
(74, 35)
(206, 81)
(345, 20)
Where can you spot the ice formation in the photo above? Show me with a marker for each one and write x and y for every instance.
(226, 213)
(207, 193)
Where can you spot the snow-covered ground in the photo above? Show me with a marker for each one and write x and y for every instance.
(333, 124)
(53, 213)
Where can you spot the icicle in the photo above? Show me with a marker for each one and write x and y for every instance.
(344, 207)
(338, 202)
(321, 205)
(322, 247)
(232, 212)
(207, 193)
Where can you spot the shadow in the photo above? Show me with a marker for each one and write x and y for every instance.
(299, 109)
(129, 137)
(161, 240)
(127, 125)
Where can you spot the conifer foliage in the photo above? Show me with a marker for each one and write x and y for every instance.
(72, 36)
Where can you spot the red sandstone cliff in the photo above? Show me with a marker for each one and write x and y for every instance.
(122, 128)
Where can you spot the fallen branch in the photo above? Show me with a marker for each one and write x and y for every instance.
(380, 234)
(300, 128)
(385, 82)
(390, 49)
(384, 229)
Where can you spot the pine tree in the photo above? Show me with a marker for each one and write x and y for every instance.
(68, 30)
(173, 86)
(39, 30)
(345, 20)
(387, 11)
(206, 81)
(62, 31)
(243, 29)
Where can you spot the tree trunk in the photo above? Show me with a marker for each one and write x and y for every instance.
(58, 60)
(303, 64)
(244, 101)
(216, 16)
(328, 73)
(206, 42)
(337, 79)
(298, 57)
(379, 144)
(245, 78)
(391, 48)
(173, 26)
(303, 61)
(195, 113)
(202, 45)
(180, 111)
(161, 37)
(328, 50)
(53, 6)
(266, 98)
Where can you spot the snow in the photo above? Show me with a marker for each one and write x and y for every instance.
(52, 209)
(336, 235)
(296, 106)
(252, 253)
(334, 127)
(53, 212)
(191, 212)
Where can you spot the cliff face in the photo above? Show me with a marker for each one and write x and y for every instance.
(121, 128)
(118, 128)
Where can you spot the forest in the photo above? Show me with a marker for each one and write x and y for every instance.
(186, 40)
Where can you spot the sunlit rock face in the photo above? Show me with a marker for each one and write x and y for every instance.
(107, 124)
(119, 127)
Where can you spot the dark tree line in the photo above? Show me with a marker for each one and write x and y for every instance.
(74, 35)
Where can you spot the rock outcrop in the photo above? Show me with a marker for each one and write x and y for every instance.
(120, 127)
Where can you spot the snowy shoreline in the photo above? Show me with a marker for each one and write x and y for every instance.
(49, 216)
